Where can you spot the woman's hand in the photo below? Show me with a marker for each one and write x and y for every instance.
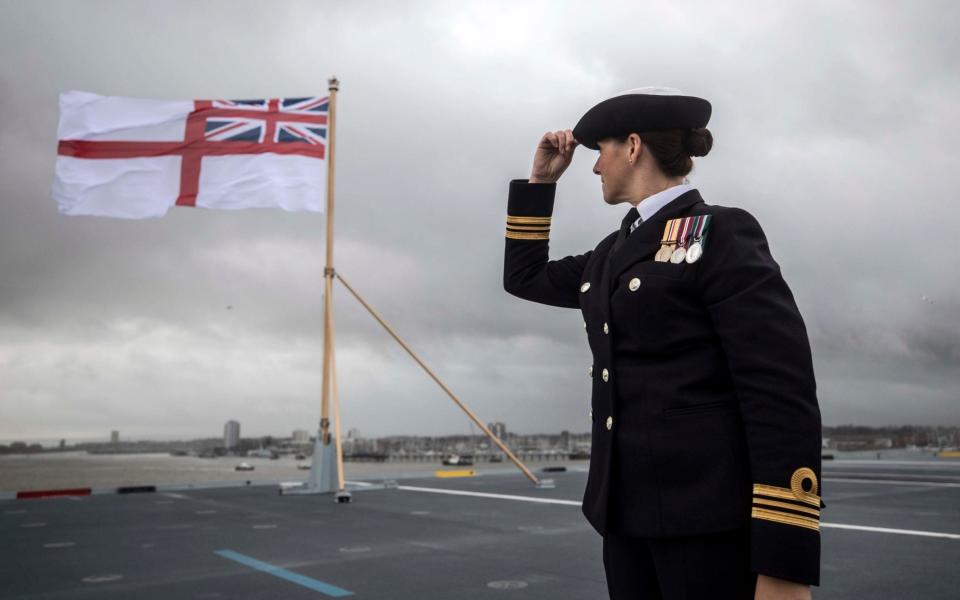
(771, 588)
(553, 156)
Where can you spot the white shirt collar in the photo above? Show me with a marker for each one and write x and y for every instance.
(651, 204)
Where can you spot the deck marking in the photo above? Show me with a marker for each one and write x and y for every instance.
(303, 580)
(895, 476)
(177, 496)
(933, 464)
(937, 534)
(59, 544)
(265, 526)
(29, 525)
(894, 482)
(507, 585)
(102, 578)
(952, 536)
(413, 488)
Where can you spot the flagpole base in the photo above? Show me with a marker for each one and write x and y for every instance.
(324, 478)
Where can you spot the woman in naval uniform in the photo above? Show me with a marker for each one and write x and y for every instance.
(704, 475)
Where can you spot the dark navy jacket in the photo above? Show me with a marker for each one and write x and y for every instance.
(704, 408)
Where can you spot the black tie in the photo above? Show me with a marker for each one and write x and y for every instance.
(632, 215)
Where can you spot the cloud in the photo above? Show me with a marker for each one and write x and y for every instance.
(834, 124)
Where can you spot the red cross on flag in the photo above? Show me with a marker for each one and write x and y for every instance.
(135, 158)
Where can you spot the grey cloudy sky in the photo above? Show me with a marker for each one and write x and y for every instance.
(835, 124)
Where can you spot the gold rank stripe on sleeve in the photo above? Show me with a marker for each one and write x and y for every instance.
(792, 505)
(528, 228)
(797, 492)
(529, 220)
(785, 494)
(796, 507)
(777, 516)
(516, 235)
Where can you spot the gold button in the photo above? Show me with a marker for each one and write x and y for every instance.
(605, 374)
(590, 371)
(609, 422)
(634, 284)
(584, 324)
(585, 286)
(606, 328)
(591, 414)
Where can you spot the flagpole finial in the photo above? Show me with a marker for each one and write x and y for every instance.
(334, 83)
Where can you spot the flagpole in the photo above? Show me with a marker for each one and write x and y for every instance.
(334, 85)
(329, 377)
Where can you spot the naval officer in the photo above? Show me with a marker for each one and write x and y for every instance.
(704, 475)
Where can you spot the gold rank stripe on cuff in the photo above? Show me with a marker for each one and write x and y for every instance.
(528, 228)
(788, 506)
(777, 516)
(773, 491)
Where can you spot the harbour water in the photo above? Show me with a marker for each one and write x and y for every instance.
(57, 470)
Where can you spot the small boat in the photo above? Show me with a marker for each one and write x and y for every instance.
(458, 460)
(244, 466)
(303, 466)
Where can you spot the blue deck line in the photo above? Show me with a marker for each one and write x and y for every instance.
(303, 580)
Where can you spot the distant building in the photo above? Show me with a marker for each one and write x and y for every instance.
(301, 436)
(231, 435)
(114, 437)
(499, 429)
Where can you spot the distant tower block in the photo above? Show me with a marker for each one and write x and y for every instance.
(231, 435)
(301, 436)
(499, 429)
(114, 437)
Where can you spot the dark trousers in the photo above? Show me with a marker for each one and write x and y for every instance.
(714, 565)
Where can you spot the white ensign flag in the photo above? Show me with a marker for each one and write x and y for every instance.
(135, 158)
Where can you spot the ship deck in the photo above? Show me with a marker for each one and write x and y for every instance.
(891, 530)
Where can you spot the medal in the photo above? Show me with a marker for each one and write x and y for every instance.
(681, 253)
(663, 255)
(696, 248)
(669, 236)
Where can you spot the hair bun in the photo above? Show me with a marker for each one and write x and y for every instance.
(697, 142)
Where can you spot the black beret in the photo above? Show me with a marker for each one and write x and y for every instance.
(639, 111)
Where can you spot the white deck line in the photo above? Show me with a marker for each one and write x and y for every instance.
(933, 464)
(895, 482)
(411, 488)
(414, 488)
